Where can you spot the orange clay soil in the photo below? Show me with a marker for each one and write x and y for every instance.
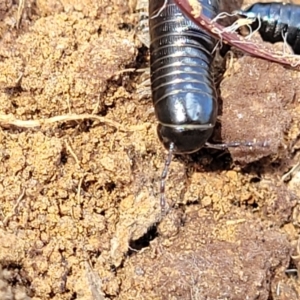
(80, 164)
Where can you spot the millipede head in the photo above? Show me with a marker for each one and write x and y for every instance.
(184, 140)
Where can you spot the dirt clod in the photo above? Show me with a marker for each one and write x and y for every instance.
(235, 259)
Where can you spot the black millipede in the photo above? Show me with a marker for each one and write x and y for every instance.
(276, 22)
(183, 91)
(182, 84)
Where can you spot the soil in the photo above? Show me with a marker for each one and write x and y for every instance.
(80, 166)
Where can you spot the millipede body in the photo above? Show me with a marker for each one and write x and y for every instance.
(276, 22)
(183, 91)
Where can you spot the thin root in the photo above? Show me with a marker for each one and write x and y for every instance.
(69, 148)
(14, 209)
(7, 121)
(20, 12)
(160, 10)
(290, 173)
(79, 190)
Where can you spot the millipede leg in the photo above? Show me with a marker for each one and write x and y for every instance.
(164, 176)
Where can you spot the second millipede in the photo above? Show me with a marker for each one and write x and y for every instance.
(276, 22)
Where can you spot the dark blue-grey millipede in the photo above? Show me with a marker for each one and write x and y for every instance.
(276, 22)
(183, 90)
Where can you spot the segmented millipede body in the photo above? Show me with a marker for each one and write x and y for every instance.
(182, 84)
(276, 22)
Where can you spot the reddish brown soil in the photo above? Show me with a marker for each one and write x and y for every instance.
(80, 164)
